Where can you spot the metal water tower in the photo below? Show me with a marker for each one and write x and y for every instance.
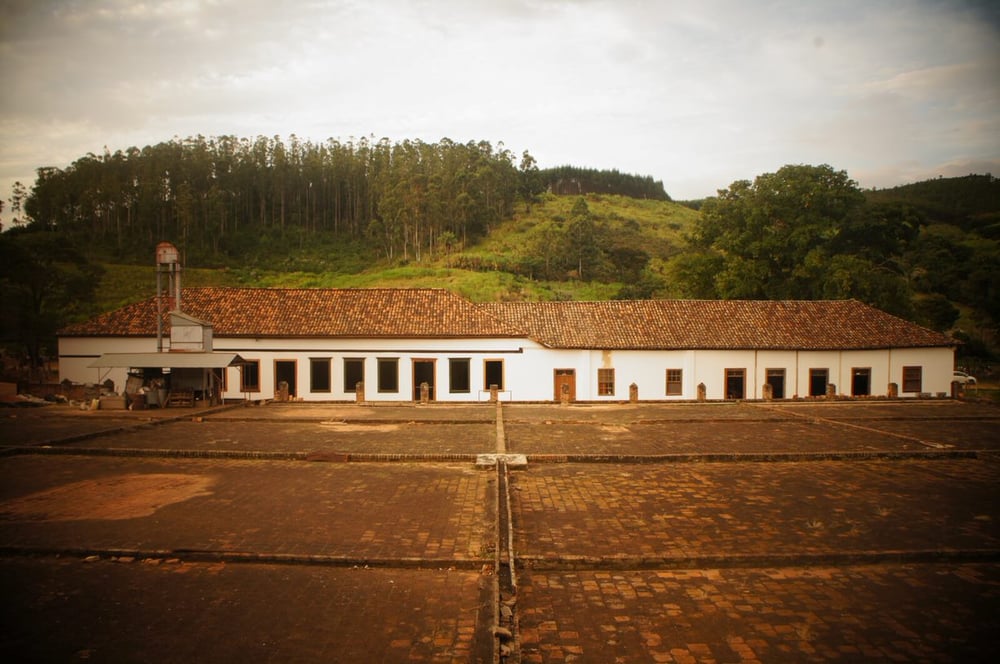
(167, 263)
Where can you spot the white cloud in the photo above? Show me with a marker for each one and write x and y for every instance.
(694, 93)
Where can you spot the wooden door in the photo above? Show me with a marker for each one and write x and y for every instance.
(565, 384)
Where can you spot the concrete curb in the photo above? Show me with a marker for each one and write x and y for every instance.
(257, 455)
(191, 555)
(366, 457)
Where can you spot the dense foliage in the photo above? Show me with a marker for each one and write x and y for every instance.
(46, 282)
(571, 180)
(809, 232)
(217, 197)
(971, 202)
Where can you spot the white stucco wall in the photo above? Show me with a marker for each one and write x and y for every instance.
(529, 369)
(405, 351)
(75, 353)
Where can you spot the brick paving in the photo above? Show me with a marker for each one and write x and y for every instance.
(62, 610)
(810, 508)
(232, 559)
(911, 613)
(319, 437)
(700, 437)
(410, 511)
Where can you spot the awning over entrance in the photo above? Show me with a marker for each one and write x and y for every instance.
(167, 360)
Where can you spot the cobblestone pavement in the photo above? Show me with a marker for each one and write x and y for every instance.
(319, 437)
(65, 610)
(886, 613)
(408, 511)
(645, 511)
(168, 559)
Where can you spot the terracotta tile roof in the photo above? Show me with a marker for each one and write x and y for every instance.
(714, 324)
(313, 312)
(610, 325)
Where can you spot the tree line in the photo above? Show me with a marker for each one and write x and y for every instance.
(208, 194)
(572, 180)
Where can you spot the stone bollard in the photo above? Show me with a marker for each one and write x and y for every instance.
(831, 390)
(702, 392)
(633, 393)
(494, 393)
(359, 392)
(893, 390)
(767, 391)
(564, 394)
(425, 392)
(282, 391)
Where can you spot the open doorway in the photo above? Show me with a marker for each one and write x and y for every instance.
(776, 379)
(818, 379)
(423, 372)
(284, 371)
(736, 380)
(861, 382)
(493, 374)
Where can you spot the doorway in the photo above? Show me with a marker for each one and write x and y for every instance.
(776, 379)
(818, 379)
(493, 374)
(736, 380)
(284, 372)
(565, 384)
(423, 372)
(861, 382)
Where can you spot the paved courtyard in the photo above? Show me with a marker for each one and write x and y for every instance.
(735, 532)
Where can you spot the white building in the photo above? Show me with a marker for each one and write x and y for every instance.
(320, 343)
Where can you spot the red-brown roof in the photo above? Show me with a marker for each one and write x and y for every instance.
(714, 324)
(609, 325)
(311, 312)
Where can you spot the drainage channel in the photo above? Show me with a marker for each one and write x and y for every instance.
(505, 633)
(505, 630)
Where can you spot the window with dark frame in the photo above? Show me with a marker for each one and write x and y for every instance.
(354, 373)
(606, 382)
(388, 374)
(319, 374)
(250, 376)
(459, 380)
(913, 379)
(675, 382)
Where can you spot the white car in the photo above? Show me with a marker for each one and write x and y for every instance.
(963, 378)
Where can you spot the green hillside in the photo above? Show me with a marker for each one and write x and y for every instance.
(500, 266)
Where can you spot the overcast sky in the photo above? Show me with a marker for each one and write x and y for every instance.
(695, 93)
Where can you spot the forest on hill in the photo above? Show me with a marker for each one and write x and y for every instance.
(219, 198)
(475, 218)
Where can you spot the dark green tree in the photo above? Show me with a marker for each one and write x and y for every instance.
(936, 312)
(799, 233)
(46, 283)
